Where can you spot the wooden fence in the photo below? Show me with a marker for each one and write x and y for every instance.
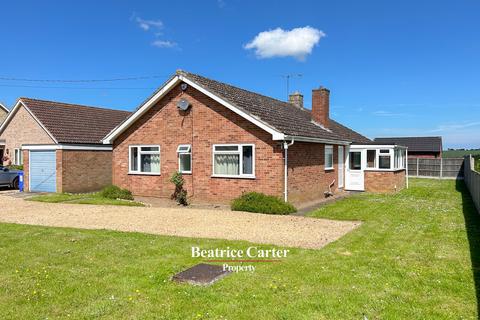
(472, 180)
(449, 168)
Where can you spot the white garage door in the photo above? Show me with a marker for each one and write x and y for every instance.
(43, 171)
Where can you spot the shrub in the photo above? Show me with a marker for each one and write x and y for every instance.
(114, 192)
(180, 194)
(261, 203)
(15, 167)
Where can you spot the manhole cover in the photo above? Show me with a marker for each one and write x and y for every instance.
(202, 274)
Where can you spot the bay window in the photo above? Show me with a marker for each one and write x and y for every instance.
(234, 160)
(144, 159)
(328, 157)
(184, 158)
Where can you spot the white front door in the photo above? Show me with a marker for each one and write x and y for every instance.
(355, 166)
(341, 171)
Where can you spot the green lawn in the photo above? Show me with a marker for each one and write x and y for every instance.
(83, 198)
(411, 259)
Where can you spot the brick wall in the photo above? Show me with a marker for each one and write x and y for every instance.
(26, 160)
(307, 177)
(204, 124)
(22, 129)
(83, 171)
(384, 181)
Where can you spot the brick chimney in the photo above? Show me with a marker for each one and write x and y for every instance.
(296, 99)
(321, 106)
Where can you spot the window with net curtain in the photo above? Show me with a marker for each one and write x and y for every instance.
(328, 157)
(233, 160)
(145, 159)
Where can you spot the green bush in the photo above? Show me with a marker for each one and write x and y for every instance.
(15, 167)
(114, 192)
(261, 203)
(180, 194)
(477, 163)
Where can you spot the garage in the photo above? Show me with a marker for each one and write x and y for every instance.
(43, 172)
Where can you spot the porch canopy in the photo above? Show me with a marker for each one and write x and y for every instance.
(377, 157)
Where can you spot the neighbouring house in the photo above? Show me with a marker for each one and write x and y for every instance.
(418, 147)
(3, 113)
(227, 141)
(3, 116)
(59, 144)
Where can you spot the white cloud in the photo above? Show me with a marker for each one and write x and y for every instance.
(164, 44)
(149, 24)
(297, 43)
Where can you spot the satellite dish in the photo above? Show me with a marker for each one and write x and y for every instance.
(183, 104)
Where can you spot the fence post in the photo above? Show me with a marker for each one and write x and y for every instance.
(417, 167)
(441, 168)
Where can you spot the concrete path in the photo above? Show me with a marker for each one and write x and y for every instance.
(287, 231)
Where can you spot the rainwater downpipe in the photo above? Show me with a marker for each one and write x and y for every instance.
(285, 147)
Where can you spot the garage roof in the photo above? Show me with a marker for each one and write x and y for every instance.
(73, 123)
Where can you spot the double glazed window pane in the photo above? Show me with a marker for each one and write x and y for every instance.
(247, 160)
(384, 162)
(185, 162)
(150, 163)
(328, 157)
(227, 164)
(355, 161)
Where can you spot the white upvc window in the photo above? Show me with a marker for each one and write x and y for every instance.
(184, 152)
(328, 157)
(144, 159)
(18, 157)
(234, 160)
(384, 159)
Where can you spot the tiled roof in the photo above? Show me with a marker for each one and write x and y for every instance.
(415, 144)
(282, 116)
(73, 123)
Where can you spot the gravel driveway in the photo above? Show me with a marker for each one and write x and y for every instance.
(287, 231)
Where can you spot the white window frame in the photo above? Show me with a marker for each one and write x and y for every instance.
(17, 157)
(179, 152)
(385, 154)
(329, 147)
(140, 152)
(240, 153)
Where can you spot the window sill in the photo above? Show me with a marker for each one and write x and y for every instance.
(384, 170)
(329, 169)
(186, 172)
(232, 177)
(143, 174)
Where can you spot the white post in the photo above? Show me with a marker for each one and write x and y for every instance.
(441, 168)
(406, 167)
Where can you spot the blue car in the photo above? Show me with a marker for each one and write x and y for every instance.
(8, 178)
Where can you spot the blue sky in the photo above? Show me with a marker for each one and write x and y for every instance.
(393, 67)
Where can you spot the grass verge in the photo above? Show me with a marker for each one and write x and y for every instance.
(83, 198)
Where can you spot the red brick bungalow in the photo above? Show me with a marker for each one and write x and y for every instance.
(226, 141)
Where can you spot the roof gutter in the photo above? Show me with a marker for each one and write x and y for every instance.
(315, 140)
